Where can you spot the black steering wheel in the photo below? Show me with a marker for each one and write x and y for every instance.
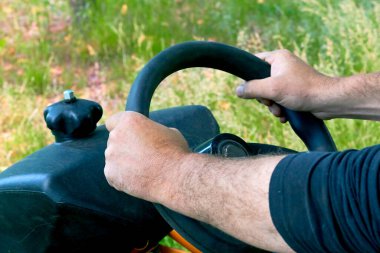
(311, 130)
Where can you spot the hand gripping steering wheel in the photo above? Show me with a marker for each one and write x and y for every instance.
(311, 130)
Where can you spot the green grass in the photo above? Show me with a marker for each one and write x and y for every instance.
(97, 48)
(46, 48)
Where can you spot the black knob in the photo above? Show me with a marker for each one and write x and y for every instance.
(72, 118)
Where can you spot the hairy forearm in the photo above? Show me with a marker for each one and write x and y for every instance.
(231, 194)
(356, 97)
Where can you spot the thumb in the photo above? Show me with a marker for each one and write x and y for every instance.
(260, 88)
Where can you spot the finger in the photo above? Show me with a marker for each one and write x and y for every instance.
(263, 55)
(256, 89)
(175, 130)
(276, 110)
(266, 56)
(270, 57)
(271, 111)
(114, 120)
(265, 101)
(283, 119)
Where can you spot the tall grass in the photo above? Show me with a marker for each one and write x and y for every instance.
(40, 60)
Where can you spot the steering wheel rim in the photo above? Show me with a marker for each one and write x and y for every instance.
(311, 130)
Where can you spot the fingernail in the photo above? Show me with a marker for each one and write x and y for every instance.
(240, 90)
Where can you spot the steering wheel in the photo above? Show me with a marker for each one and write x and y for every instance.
(312, 131)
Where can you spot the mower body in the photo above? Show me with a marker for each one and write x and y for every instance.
(58, 200)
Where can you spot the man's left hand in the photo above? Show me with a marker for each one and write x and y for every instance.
(142, 156)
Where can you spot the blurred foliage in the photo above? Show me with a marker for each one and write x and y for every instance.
(97, 47)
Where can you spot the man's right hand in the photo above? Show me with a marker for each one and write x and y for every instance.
(297, 86)
(293, 84)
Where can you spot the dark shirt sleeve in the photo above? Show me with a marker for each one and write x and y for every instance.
(328, 202)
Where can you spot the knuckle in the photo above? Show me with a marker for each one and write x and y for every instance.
(112, 139)
(111, 178)
(108, 174)
(108, 153)
(131, 119)
(285, 52)
(175, 131)
(125, 118)
(112, 135)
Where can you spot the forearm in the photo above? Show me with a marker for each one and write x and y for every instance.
(230, 194)
(356, 97)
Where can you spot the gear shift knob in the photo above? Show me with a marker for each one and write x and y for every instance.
(72, 118)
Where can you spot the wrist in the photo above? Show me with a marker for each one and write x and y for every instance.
(326, 95)
(175, 172)
(352, 97)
